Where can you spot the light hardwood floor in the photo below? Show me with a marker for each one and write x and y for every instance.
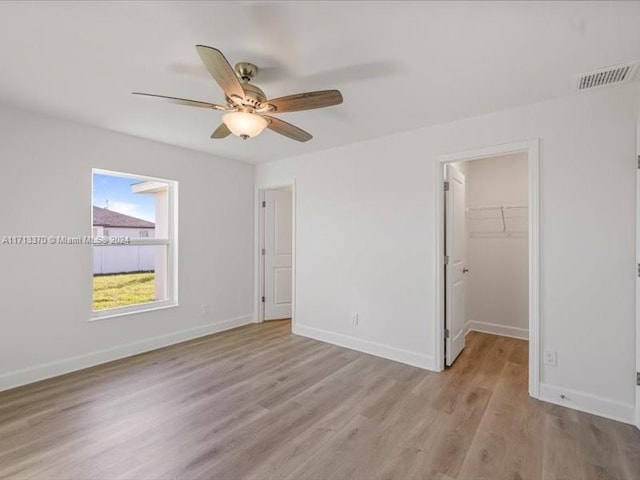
(259, 403)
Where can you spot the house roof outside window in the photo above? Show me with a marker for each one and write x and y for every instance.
(103, 217)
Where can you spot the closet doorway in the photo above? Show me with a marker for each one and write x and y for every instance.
(488, 253)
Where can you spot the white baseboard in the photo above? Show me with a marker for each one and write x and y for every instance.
(588, 403)
(60, 367)
(495, 329)
(378, 349)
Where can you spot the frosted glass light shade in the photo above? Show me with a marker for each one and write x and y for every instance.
(244, 124)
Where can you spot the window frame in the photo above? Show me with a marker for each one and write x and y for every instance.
(171, 242)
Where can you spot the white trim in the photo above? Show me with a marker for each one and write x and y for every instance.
(171, 242)
(137, 241)
(495, 329)
(587, 403)
(467, 328)
(131, 309)
(532, 149)
(637, 369)
(258, 265)
(172, 263)
(486, 152)
(373, 348)
(60, 367)
(534, 268)
(149, 186)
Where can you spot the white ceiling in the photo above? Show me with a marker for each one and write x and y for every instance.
(399, 65)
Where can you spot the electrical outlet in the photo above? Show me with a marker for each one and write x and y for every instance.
(551, 358)
(354, 319)
(204, 310)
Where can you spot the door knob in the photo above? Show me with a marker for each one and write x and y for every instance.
(465, 270)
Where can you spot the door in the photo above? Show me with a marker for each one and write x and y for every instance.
(455, 239)
(277, 253)
(638, 280)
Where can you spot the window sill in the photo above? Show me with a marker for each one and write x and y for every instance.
(113, 313)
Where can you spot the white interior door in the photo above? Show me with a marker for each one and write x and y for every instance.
(277, 253)
(455, 238)
(638, 281)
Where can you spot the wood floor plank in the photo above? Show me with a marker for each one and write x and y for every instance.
(454, 441)
(485, 457)
(525, 448)
(259, 403)
(561, 460)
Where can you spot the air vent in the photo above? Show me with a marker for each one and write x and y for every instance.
(606, 76)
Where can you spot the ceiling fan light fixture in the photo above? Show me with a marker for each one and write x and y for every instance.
(244, 124)
(246, 102)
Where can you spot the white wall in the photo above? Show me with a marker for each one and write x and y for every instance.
(45, 291)
(497, 297)
(365, 219)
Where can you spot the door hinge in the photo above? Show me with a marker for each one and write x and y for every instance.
(264, 251)
(446, 333)
(446, 186)
(264, 203)
(263, 299)
(638, 379)
(639, 270)
(446, 259)
(639, 161)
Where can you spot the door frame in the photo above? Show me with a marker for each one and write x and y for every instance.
(637, 365)
(259, 245)
(532, 148)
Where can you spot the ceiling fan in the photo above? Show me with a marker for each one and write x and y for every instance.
(247, 109)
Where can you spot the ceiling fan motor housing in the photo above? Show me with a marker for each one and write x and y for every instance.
(253, 95)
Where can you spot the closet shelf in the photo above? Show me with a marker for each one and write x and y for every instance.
(498, 219)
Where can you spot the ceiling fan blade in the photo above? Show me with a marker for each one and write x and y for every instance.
(220, 70)
(288, 130)
(306, 101)
(221, 132)
(184, 101)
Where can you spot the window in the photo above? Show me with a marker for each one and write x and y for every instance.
(134, 243)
